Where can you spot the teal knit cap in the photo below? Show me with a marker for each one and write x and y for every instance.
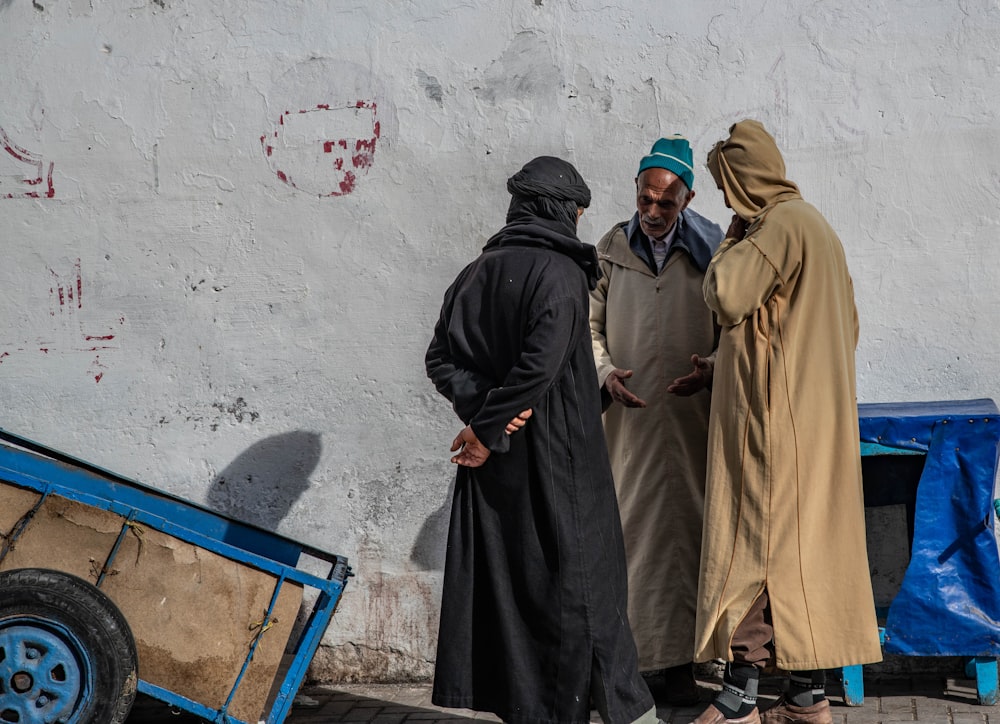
(674, 154)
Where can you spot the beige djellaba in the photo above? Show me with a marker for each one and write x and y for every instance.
(652, 324)
(784, 508)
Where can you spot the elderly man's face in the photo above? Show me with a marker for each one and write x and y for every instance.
(660, 198)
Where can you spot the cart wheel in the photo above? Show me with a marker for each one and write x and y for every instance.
(67, 655)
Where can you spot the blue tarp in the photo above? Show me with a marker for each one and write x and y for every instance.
(949, 601)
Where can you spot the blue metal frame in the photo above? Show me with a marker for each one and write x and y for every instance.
(28, 464)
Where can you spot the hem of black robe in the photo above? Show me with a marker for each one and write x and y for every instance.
(503, 713)
(470, 703)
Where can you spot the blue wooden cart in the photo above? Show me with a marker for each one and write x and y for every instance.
(109, 587)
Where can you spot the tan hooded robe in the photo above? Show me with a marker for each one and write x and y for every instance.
(784, 508)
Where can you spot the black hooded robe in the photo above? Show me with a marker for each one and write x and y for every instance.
(533, 615)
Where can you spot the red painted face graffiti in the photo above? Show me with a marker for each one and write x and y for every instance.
(29, 176)
(324, 150)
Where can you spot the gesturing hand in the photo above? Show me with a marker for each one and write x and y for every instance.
(615, 385)
(697, 379)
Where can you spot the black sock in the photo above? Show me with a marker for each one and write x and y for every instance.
(739, 690)
(806, 688)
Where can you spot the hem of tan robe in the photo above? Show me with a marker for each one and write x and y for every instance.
(826, 664)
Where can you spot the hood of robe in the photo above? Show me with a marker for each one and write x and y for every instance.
(750, 170)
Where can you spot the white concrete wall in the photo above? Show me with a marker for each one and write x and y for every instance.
(192, 290)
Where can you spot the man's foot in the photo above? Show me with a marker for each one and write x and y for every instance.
(784, 712)
(711, 715)
(680, 687)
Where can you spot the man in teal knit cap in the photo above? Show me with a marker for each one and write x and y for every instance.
(654, 340)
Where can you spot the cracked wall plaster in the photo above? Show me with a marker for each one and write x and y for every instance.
(230, 302)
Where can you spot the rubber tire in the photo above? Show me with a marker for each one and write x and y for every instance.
(85, 611)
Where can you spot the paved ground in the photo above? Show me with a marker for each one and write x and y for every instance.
(924, 699)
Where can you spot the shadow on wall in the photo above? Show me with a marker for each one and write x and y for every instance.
(429, 547)
(262, 484)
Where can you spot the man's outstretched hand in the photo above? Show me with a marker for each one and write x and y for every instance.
(615, 385)
(697, 379)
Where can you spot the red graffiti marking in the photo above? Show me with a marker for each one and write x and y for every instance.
(365, 155)
(68, 293)
(39, 176)
(66, 306)
(97, 369)
(347, 185)
(303, 155)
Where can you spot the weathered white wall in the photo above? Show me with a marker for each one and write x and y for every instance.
(202, 293)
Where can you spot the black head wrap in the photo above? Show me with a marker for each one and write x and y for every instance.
(553, 177)
(547, 187)
(545, 196)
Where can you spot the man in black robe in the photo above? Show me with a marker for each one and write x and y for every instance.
(533, 614)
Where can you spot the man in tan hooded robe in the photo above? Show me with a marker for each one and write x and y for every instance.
(784, 570)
